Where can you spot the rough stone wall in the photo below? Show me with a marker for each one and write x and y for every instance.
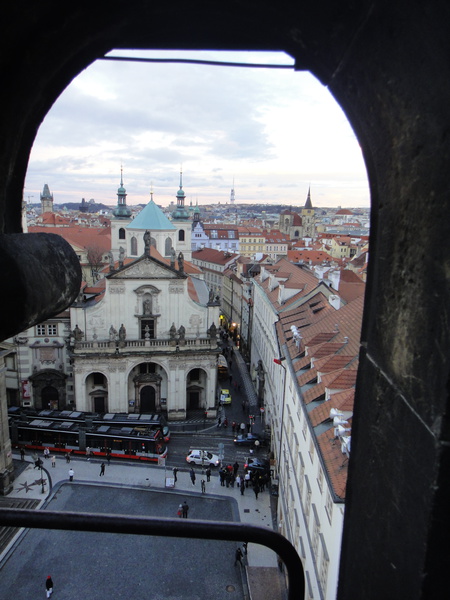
(387, 65)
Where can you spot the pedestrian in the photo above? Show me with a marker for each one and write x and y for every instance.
(242, 488)
(235, 468)
(49, 586)
(71, 474)
(222, 477)
(247, 479)
(256, 489)
(180, 510)
(102, 469)
(38, 464)
(53, 460)
(175, 471)
(46, 453)
(233, 427)
(185, 510)
(22, 454)
(208, 474)
(225, 422)
(245, 547)
(192, 474)
(203, 486)
(67, 457)
(231, 376)
(108, 457)
(238, 480)
(219, 422)
(238, 557)
(88, 453)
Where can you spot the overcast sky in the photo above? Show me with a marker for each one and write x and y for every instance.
(272, 132)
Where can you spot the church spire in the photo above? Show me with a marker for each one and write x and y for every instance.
(122, 211)
(180, 213)
(308, 203)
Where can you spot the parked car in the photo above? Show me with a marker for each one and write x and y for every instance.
(249, 440)
(224, 396)
(203, 457)
(259, 465)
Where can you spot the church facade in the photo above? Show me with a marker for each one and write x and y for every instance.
(145, 341)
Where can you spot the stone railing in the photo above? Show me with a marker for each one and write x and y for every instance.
(166, 345)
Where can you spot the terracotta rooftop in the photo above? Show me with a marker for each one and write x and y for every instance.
(335, 461)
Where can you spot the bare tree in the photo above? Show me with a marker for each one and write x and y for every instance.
(95, 260)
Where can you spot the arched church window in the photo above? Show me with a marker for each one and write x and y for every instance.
(134, 246)
(181, 235)
(121, 233)
(297, 233)
(168, 246)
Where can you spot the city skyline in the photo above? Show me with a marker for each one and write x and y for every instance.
(269, 133)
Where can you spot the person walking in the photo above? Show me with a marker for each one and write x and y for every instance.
(203, 486)
(236, 468)
(242, 487)
(88, 453)
(108, 457)
(185, 510)
(192, 475)
(49, 586)
(102, 469)
(53, 460)
(67, 457)
(180, 510)
(175, 471)
(46, 453)
(22, 454)
(256, 489)
(71, 474)
(208, 474)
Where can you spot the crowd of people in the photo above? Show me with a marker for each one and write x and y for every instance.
(230, 477)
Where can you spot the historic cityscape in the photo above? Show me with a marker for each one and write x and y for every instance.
(220, 343)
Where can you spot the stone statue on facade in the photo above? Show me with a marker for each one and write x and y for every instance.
(111, 261)
(213, 332)
(173, 331)
(147, 306)
(77, 334)
(147, 241)
(122, 333)
(121, 256)
(173, 257)
(181, 262)
(182, 333)
(112, 333)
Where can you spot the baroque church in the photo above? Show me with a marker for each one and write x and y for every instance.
(144, 339)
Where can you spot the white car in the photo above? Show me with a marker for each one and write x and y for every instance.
(203, 457)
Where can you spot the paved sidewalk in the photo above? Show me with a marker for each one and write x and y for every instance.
(261, 561)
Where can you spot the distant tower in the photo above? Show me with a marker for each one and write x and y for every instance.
(46, 200)
(308, 221)
(232, 198)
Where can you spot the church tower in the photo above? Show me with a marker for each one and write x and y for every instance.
(308, 220)
(181, 220)
(121, 217)
(46, 200)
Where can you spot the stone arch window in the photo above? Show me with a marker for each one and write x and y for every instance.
(121, 233)
(134, 246)
(296, 233)
(181, 235)
(167, 246)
